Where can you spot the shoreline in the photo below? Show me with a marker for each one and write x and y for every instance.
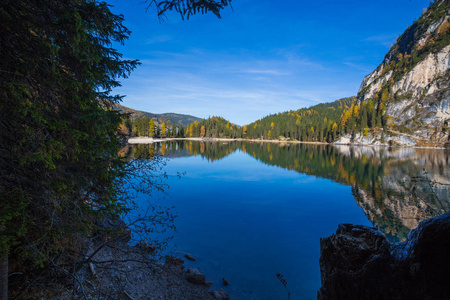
(139, 270)
(147, 140)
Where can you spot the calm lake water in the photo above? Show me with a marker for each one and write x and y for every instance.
(248, 211)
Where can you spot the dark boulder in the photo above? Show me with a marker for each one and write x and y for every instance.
(190, 257)
(194, 276)
(174, 261)
(357, 262)
(225, 281)
(220, 295)
(146, 246)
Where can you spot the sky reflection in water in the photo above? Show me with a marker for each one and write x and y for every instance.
(246, 219)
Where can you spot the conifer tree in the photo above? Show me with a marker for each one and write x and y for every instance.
(60, 171)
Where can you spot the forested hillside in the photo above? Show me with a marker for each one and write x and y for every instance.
(319, 123)
(178, 119)
(214, 127)
(323, 122)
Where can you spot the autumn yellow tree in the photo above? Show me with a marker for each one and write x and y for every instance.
(444, 28)
(202, 132)
(334, 129)
(366, 131)
(356, 110)
(390, 122)
(151, 128)
(385, 95)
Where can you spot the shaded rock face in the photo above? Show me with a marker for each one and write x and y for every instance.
(357, 262)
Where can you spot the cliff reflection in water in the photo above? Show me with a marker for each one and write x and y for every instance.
(397, 188)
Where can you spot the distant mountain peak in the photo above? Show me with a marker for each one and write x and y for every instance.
(180, 119)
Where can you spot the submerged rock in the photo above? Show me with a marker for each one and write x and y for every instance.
(173, 260)
(194, 276)
(190, 257)
(225, 281)
(209, 283)
(146, 246)
(220, 295)
(358, 262)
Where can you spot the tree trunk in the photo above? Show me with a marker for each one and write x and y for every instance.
(3, 276)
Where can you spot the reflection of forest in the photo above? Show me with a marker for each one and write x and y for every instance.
(212, 151)
(397, 188)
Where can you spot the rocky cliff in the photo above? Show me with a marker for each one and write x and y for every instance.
(411, 85)
(358, 262)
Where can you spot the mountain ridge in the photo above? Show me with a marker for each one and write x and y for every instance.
(176, 118)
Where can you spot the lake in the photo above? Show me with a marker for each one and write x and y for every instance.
(248, 211)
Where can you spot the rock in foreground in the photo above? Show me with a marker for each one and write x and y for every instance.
(194, 276)
(358, 262)
(220, 295)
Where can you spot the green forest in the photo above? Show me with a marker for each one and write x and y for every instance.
(319, 123)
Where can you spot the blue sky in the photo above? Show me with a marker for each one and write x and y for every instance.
(261, 58)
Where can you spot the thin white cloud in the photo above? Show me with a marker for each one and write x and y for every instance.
(382, 39)
(158, 39)
(241, 88)
(239, 104)
(359, 67)
(265, 72)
